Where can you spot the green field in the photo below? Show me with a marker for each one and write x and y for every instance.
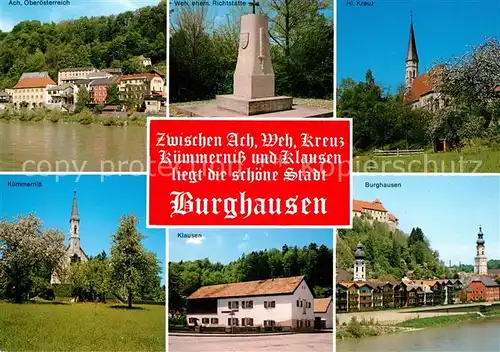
(81, 327)
(471, 161)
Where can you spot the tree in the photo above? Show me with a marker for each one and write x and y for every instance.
(90, 280)
(471, 78)
(82, 99)
(112, 97)
(291, 22)
(132, 266)
(28, 254)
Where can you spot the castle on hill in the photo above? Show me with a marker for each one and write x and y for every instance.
(371, 211)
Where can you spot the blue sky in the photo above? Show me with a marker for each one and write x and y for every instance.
(448, 209)
(11, 15)
(226, 245)
(100, 206)
(376, 37)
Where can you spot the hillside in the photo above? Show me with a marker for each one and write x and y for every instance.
(101, 42)
(313, 261)
(388, 254)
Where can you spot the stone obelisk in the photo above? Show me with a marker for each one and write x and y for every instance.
(254, 89)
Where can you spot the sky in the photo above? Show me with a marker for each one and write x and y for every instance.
(376, 37)
(100, 206)
(226, 245)
(448, 209)
(12, 15)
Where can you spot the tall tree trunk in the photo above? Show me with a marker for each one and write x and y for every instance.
(129, 299)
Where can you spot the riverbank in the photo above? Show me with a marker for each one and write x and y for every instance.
(85, 117)
(360, 329)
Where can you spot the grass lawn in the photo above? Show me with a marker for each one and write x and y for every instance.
(314, 103)
(81, 327)
(468, 161)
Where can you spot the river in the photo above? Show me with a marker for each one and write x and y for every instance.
(474, 336)
(71, 147)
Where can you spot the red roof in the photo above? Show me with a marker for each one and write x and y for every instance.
(285, 285)
(421, 86)
(359, 205)
(392, 217)
(36, 82)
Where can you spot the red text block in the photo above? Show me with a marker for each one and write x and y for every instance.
(239, 172)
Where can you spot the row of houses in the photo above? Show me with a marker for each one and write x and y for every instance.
(37, 89)
(372, 295)
(281, 302)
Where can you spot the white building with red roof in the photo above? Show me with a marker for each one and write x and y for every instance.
(282, 302)
(371, 211)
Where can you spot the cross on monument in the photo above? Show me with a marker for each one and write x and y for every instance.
(254, 4)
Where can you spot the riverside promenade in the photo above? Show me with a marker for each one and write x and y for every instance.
(395, 316)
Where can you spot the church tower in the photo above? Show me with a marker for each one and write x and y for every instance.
(74, 232)
(359, 263)
(411, 60)
(480, 261)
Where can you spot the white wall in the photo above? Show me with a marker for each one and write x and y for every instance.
(327, 317)
(284, 312)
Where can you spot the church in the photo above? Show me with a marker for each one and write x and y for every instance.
(420, 90)
(74, 252)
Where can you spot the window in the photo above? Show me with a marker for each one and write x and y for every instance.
(298, 303)
(205, 321)
(308, 304)
(192, 320)
(301, 303)
(269, 323)
(308, 323)
(269, 304)
(247, 322)
(233, 304)
(246, 304)
(214, 321)
(232, 321)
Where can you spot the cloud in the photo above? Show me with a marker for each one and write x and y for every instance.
(246, 237)
(266, 234)
(242, 245)
(195, 240)
(6, 25)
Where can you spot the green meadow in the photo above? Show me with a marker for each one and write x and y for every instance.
(58, 326)
(470, 161)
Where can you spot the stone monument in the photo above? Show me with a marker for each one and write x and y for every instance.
(254, 76)
(254, 88)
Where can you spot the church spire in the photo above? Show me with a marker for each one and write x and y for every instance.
(74, 210)
(411, 60)
(411, 54)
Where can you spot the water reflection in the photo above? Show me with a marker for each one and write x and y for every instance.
(71, 147)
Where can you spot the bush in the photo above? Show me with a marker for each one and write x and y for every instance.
(85, 117)
(178, 320)
(62, 290)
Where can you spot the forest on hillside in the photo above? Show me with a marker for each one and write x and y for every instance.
(389, 254)
(313, 261)
(204, 49)
(102, 42)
